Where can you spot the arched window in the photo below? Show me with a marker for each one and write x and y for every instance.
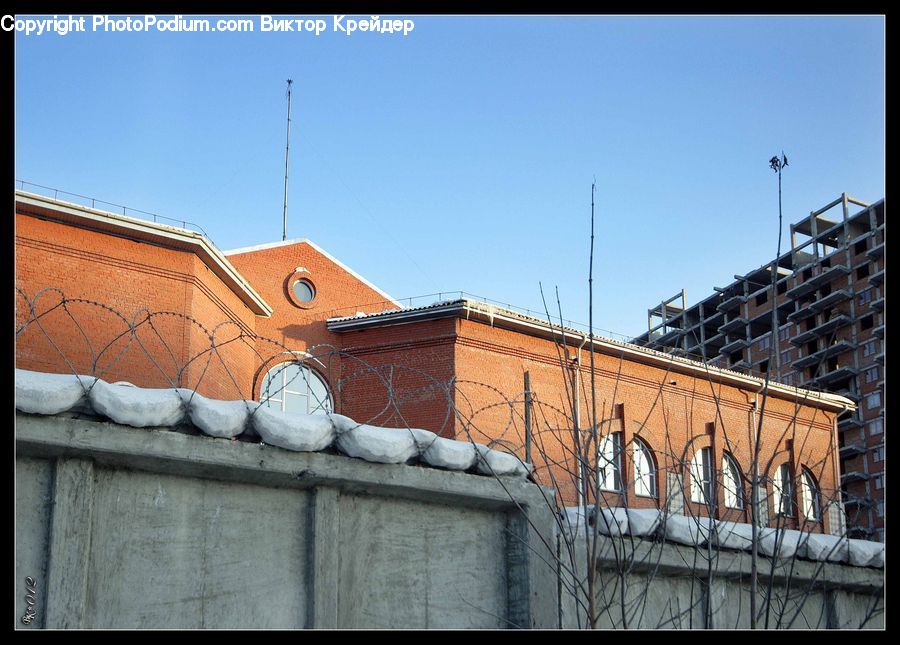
(609, 462)
(732, 485)
(702, 476)
(812, 500)
(644, 470)
(294, 387)
(783, 489)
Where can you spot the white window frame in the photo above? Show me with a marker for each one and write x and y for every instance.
(732, 482)
(812, 497)
(609, 462)
(298, 386)
(875, 423)
(644, 469)
(874, 396)
(702, 475)
(783, 490)
(870, 347)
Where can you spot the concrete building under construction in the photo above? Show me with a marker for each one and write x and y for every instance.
(830, 318)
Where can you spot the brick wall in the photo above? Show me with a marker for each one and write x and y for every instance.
(271, 271)
(401, 376)
(126, 276)
(674, 413)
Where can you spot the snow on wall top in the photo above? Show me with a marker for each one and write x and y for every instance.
(701, 531)
(49, 394)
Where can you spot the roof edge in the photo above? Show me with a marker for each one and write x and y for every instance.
(302, 240)
(473, 310)
(143, 229)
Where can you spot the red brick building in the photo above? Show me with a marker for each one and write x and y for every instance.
(289, 324)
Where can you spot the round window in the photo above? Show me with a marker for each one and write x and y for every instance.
(304, 291)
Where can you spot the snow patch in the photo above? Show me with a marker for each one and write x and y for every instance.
(298, 432)
(573, 518)
(612, 522)
(827, 548)
(863, 553)
(423, 439)
(40, 393)
(494, 462)
(450, 454)
(223, 419)
(381, 445)
(693, 531)
(782, 543)
(643, 521)
(137, 407)
(341, 423)
(734, 535)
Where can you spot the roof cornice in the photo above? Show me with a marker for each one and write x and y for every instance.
(142, 230)
(507, 319)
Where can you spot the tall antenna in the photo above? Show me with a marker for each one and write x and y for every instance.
(287, 149)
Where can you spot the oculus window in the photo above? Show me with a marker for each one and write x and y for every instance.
(304, 290)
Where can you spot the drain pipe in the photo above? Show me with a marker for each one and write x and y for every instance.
(754, 513)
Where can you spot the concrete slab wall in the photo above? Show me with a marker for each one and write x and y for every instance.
(126, 527)
(137, 528)
(651, 584)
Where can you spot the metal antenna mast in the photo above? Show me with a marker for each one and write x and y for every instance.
(287, 149)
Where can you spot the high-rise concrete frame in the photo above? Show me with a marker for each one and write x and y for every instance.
(831, 317)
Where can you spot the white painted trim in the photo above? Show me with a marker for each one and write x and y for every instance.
(321, 251)
(352, 272)
(263, 247)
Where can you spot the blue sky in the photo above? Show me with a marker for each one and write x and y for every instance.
(460, 157)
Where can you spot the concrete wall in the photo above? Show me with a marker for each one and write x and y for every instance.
(122, 527)
(650, 584)
(125, 527)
